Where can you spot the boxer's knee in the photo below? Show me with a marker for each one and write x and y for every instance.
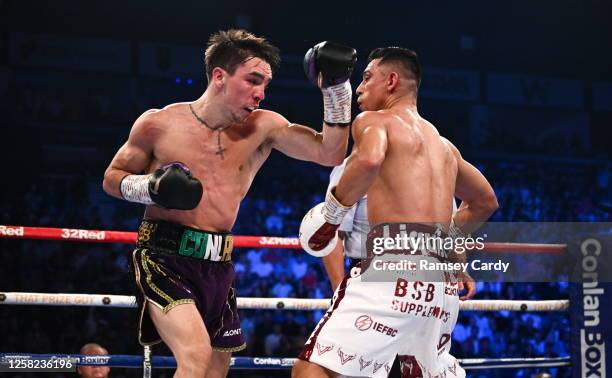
(305, 369)
(193, 360)
(297, 369)
(219, 364)
(300, 369)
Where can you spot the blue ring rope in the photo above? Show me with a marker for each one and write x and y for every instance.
(271, 363)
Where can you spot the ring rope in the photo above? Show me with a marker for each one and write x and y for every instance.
(168, 362)
(251, 303)
(273, 242)
(99, 300)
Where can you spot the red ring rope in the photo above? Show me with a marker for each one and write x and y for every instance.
(106, 236)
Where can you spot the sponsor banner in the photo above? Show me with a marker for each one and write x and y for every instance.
(450, 84)
(11, 230)
(97, 300)
(94, 360)
(232, 332)
(591, 306)
(365, 323)
(272, 240)
(57, 299)
(87, 54)
(536, 91)
(77, 234)
(273, 362)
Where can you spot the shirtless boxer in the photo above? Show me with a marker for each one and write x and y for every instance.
(352, 233)
(199, 159)
(410, 174)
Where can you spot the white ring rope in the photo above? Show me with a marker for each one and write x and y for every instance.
(245, 303)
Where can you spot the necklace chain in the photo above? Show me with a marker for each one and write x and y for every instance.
(204, 123)
(220, 148)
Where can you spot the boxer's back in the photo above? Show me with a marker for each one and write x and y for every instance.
(416, 181)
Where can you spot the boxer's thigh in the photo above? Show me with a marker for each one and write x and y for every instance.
(183, 330)
(359, 335)
(428, 332)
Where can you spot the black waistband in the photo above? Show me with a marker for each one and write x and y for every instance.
(177, 239)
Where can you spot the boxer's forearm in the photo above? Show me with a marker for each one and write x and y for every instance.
(358, 176)
(302, 142)
(334, 265)
(134, 156)
(334, 144)
(470, 216)
(478, 199)
(112, 180)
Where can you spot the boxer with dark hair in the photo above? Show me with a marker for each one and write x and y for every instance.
(411, 175)
(192, 164)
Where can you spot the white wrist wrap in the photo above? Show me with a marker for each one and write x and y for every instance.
(135, 188)
(337, 103)
(334, 211)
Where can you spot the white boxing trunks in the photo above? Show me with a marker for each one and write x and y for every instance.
(369, 323)
(410, 367)
(365, 329)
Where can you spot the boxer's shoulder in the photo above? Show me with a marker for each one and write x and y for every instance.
(451, 147)
(268, 123)
(373, 117)
(171, 112)
(149, 116)
(367, 116)
(369, 119)
(267, 119)
(149, 124)
(156, 120)
(153, 117)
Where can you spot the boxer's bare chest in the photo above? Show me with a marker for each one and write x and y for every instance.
(224, 161)
(231, 155)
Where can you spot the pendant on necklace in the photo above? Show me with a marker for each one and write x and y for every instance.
(220, 146)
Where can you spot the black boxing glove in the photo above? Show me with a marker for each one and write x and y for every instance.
(171, 186)
(329, 66)
(335, 63)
